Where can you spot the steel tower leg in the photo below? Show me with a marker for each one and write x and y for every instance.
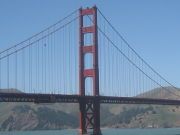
(89, 110)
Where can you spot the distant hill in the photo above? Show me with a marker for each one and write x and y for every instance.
(10, 91)
(147, 116)
(165, 93)
(30, 116)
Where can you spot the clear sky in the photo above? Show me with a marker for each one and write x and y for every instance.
(152, 27)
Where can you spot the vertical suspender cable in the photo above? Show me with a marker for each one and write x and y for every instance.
(42, 67)
(44, 46)
(0, 73)
(48, 59)
(8, 71)
(29, 68)
(51, 59)
(63, 62)
(16, 70)
(54, 62)
(69, 60)
(23, 69)
(38, 65)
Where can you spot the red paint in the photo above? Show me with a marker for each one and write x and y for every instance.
(87, 11)
(89, 111)
(90, 29)
(88, 49)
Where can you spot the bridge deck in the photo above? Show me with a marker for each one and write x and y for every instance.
(58, 98)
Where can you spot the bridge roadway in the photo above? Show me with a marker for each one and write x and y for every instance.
(59, 98)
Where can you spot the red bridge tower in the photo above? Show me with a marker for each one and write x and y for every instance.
(89, 110)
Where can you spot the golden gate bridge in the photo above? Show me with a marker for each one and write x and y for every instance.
(81, 59)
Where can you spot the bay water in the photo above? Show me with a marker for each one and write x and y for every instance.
(164, 131)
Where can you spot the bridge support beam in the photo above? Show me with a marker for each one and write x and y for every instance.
(90, 120)
(89, 110)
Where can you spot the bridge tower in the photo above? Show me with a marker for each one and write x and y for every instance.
(89, 110)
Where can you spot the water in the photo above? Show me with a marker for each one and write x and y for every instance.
(170, 131)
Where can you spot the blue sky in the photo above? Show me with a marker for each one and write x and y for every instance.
(151, 27)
